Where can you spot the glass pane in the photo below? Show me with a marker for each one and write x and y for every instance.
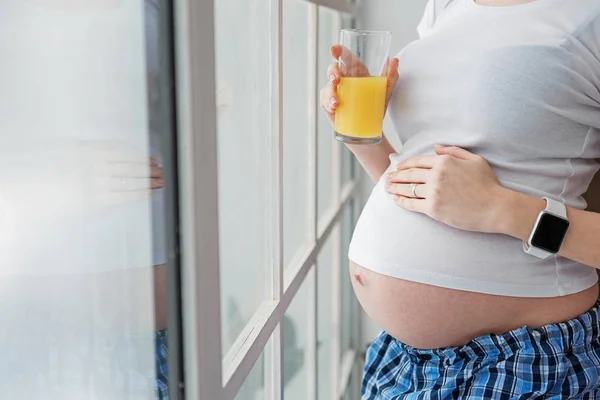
(327, 267)
(349, 304)
(295, 341)
(347, 166)
(254, 386)
(82, 217)
(348, 161)
(244, 125)
(296, 179)
(355, 383)
(328, 35)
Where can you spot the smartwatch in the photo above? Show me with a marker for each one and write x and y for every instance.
(549, 231)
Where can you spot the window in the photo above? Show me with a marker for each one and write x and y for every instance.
(298, 343)
(254, 387)
(280, 254)
(328, 152)
(243, 84)
(349, 304)
(298, 131)
(328, 317)
(174, 211)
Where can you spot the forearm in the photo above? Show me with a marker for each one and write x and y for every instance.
(374, 158)
(582, 243)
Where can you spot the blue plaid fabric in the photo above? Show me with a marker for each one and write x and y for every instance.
(560, 361)
(162, 368)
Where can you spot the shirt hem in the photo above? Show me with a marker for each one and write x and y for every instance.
(472, 285)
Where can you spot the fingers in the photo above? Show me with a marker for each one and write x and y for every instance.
(410, 204)
(350, 65)
(336, 51)
(392, 73)
(329, 101)
(393, 76)
(412, 190)
(454, 151)
(156, 175)
(344, 55)
(412, 175)
(156, 172)
(328, 97)
(157, 183)
(333, 73)
(418, 162)
(129, 170)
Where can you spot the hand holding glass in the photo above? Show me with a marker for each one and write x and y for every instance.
(363, 65)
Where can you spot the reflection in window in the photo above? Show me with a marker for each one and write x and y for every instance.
(82, 242)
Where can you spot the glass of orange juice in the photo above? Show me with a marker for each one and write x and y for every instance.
(362, 88)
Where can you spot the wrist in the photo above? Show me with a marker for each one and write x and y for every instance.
(516, 213)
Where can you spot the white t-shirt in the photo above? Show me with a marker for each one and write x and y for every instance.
(518, 85)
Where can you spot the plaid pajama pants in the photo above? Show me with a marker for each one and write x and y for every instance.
(559, 361)
(162, 368)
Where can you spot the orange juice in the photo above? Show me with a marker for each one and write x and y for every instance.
(362, 105)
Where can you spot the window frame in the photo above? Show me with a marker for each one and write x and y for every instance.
(199, 224)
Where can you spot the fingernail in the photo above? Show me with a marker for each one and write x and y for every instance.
(333, 103)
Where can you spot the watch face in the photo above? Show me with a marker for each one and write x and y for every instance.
(550, 233)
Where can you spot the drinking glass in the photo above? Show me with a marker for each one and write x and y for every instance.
(361, 92)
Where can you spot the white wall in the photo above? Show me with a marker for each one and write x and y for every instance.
(397, 16)
(401, 18)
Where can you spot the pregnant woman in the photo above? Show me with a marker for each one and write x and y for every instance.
(474, 252)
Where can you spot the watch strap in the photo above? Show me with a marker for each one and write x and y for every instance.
(555, 207)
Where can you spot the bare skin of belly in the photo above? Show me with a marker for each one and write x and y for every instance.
(429, 317)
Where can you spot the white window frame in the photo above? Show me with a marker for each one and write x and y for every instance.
(198, 172)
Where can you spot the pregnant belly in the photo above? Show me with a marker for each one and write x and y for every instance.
(425, 316)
